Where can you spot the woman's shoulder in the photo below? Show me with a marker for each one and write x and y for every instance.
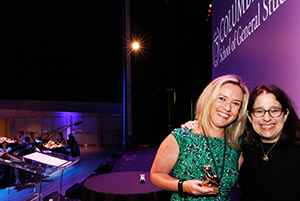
(181, 131)
(183, 134)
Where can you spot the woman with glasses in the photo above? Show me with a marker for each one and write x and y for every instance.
(270, 159)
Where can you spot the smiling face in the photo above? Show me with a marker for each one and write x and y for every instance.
(226, 107)
(269, 128)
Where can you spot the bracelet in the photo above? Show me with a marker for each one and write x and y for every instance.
(180, 189)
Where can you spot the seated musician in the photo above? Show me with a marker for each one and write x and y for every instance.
(21, 137)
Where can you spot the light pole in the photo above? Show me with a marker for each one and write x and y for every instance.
(130, 46)
(127, 111)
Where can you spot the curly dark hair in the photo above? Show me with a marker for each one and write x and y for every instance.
(290, 135)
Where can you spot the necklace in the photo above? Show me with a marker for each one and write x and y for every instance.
(266, 158)
(222, 170)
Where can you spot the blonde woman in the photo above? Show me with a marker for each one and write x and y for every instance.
(214, 142)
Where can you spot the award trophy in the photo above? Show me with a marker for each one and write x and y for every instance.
(212, 180)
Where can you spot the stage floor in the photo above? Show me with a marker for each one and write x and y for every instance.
(91, 158)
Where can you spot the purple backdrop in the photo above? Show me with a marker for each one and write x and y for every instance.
(258, 40)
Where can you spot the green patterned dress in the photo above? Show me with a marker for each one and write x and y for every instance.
(194, 154)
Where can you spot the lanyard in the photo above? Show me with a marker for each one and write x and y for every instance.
(222, 170)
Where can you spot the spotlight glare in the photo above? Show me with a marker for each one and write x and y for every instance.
(135, 45)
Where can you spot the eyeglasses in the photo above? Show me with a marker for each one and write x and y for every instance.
(273, 112)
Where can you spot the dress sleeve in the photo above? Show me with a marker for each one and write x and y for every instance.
(181, 135)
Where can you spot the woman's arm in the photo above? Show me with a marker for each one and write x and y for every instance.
(165, 160)
(241, 160)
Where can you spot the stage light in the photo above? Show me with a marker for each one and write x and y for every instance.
(209, 11)
(135, 45)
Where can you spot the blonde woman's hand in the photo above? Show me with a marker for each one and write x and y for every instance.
(194, 187)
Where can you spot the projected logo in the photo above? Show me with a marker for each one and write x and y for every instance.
(233, 28)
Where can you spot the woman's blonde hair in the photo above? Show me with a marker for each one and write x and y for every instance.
(204, 105)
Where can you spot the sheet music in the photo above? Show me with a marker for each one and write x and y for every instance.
(46, 159)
